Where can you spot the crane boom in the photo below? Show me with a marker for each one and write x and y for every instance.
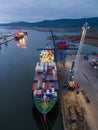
(85, 28)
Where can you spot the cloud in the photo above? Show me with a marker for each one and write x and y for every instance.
(37, 10)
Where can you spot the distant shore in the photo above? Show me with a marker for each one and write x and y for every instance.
(91, 37)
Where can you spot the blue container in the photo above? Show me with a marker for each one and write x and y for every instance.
(44, 76)
(49, 95)
(56, 86)
(52, 79)
(40, 96)
(42, 89)
(43, 68)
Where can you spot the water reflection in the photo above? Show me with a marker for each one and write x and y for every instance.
(21, 43)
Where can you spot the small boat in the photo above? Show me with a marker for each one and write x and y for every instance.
(20, 35)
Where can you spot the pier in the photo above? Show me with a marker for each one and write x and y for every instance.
(6, 38)
(87, 79)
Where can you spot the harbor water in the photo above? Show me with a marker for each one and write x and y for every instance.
(17, 65)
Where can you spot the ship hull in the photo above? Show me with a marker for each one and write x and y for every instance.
(44, 106)
(45, 85)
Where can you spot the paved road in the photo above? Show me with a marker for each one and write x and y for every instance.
(87, 78)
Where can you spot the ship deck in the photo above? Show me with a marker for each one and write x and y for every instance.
(87, 78)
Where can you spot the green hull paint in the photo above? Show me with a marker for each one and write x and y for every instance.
(44, 105)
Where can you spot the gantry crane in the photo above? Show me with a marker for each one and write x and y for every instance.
(59, 48)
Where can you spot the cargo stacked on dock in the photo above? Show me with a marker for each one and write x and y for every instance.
(45, 86)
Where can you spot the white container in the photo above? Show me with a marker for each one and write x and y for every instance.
(52, 88)
(34, 93)
(55, 94)
(53, 91)
(43, 85)
(47, 91)
(42, 63)
(52, 63)
(38, 63)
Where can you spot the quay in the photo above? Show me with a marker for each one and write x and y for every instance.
(87, 79)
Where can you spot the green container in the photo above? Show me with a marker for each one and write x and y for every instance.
(38, 84)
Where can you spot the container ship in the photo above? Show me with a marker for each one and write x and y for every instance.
(45, 86)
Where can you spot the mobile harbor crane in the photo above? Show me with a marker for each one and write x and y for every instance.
(74, 66)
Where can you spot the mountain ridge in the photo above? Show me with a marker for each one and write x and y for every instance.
(58, 23)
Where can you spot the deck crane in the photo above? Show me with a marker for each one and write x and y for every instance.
(76, 61)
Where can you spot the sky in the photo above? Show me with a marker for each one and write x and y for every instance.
(39, 10)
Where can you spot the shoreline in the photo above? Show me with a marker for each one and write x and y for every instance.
(90, 39)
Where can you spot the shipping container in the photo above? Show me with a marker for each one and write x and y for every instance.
(38, 84)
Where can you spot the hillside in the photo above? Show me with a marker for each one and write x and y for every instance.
(60, 23)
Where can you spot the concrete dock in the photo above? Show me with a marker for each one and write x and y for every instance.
(87, 78)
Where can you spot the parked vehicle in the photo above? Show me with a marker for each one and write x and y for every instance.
(87, 99)
(72, 114)
(79, 112)
(83, 92)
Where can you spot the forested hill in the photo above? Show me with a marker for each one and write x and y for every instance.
(60, 23)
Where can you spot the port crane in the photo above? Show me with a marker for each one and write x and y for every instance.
(74, 66)
(59, 48)
(76, 61)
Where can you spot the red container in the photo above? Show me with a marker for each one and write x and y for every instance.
(34, 86)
